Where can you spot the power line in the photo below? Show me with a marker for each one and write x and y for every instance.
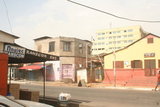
(124, 18)
(7, 16)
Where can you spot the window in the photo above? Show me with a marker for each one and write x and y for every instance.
(118, 42)
(110, 42)
(130, 30)
(125, 41)
(110, 37)
(103, 33)
(130, 41)
(114, 32)
(103, 38)
(150, 40)
(118, 36)
(66, 46)
(119, 64)
(124, 36)
(51, 46)
(130, 35)
(136, 64)
(80, 48)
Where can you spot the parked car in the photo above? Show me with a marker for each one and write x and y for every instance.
(11, 102)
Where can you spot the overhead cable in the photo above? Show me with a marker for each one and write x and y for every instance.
(124, 18)
(7, 15)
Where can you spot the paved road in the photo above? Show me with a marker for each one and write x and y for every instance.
(102, 97)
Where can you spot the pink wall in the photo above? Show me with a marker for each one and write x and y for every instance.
(128, 77)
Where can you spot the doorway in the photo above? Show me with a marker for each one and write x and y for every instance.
(150, 67)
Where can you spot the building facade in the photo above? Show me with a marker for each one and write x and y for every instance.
(109, 40)
(74, 53)
(137, 64)
(6, 38)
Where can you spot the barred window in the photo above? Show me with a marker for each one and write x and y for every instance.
(150, 40)
(119, 64)
(136, 64)
(66, 46)
(51, 46)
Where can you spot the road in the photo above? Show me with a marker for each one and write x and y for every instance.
(103, 97)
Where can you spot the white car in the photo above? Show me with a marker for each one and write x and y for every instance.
(11, 102)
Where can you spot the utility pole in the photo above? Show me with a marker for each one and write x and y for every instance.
(114, 66)
(86, 56)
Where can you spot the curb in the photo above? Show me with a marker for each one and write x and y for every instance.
(106, 87)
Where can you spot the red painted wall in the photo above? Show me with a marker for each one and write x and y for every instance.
(3, 74)
(129, 77)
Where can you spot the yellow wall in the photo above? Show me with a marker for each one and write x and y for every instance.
(135, 52)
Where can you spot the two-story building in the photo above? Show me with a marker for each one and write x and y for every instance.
(74, 53)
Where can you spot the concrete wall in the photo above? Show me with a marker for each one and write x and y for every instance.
(6, 38)
(73, 57)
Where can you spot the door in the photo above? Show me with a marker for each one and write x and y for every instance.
(150, 67)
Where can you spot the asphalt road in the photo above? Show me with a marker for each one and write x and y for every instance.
(103, 97)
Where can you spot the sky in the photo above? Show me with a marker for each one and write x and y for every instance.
(31, 19)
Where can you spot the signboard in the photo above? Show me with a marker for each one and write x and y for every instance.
(149, 55)
(14, 51)
(38, 54)
(68, 71)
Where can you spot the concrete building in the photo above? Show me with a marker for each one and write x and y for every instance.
(6, 38)
(109, 40)
(136, 64)
(74, 53)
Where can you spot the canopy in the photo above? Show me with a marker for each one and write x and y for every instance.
(32, 67)
(18, 54)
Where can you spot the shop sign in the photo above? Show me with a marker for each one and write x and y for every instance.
(34, 53)
(14, 51)
(149, 55)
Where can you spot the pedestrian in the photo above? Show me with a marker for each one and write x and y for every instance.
(158, 80)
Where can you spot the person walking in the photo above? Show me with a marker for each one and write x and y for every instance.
(158, 80)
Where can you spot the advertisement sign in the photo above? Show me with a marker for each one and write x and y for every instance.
(68, 71)
(14, 51)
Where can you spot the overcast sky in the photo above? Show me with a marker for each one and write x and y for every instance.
(31, 19)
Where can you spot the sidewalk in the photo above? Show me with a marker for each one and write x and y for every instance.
(90, 85)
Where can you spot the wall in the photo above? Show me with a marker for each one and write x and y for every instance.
(134, 52)
(3, 74)
(6, 38)
(73, 57)
(110, 36)
(133, 76)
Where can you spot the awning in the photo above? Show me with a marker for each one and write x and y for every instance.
(32, 67)
(18, 54)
